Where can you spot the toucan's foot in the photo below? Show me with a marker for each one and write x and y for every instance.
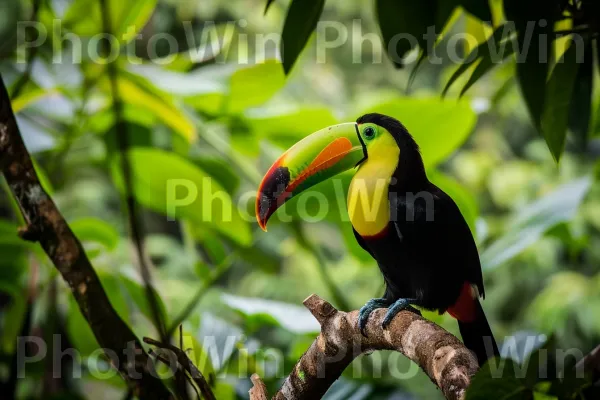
(367, 309)
(394, 309)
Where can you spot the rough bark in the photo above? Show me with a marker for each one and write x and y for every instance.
(440, 354)
(46, 225)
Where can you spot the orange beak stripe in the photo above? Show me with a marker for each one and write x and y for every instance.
(328, 157)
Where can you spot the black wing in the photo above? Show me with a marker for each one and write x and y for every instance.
(431, 224)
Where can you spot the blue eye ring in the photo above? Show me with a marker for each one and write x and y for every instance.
(369, 132)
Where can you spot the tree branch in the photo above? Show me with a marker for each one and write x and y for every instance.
(187, 365)
(441, 355)
(47, 226)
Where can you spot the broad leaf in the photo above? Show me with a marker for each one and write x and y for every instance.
(565, 292)
(138, 294)
(300, 22)
(558, 100)
(269, 3)
(14, 309)
(126, 18)
(95, 230)
(288, 127)
(465, 201)
(479, 8)
(534, 52)
(496, 43)
(399, 18)
(534, 220)
(159, 105)
(199, 88)
(221, 170)
(254, 85)
(499, 379)
(29, 96)
(290, 316)
(580, 113)
(174, 186)
(438, 126)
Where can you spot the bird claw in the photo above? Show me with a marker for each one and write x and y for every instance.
(394, 309)
(367, 309)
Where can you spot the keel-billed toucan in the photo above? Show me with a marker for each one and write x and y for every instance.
(415, 231)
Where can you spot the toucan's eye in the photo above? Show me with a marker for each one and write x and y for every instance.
(369, 132)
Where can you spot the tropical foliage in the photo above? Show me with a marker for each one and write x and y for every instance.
(218, 108)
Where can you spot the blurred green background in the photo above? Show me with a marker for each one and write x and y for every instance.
(221, 107)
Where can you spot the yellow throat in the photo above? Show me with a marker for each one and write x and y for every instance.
(368, 203)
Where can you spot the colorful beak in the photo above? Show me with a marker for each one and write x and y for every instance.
(314, 159)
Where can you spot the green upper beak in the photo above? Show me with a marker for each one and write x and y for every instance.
(314, 159)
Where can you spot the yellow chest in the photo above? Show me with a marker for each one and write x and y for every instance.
(368, 202)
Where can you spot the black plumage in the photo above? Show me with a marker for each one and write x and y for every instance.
(427, 252)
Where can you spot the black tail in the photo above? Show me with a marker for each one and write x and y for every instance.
(478, 336)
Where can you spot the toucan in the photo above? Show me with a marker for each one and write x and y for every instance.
(414, 230)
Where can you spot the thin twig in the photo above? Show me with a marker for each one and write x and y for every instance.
(191, 305)
(187, 365)
(134, 220)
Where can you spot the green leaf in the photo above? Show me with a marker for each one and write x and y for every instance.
(137, 292)
(269, 3)
(158, 104)
(166, 183)
(580, 112)
(221, 170)
(126, 18)
(29, 96)
(396, 17)
(253, 86)
(497, 379)
(495, 41)
(266, 260)
(534, 220)
(479, 8)
(137, 136)
(212, 246)
(95, 230)
(199, 88)
(486, 64)
(565, 292)
(288, 127)
(465, 200)
(13, 267)
(12, 315)
(430, 121)
(290, 316)
(11, 12)
(558, 100)
(301, 20)
(533, 58)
